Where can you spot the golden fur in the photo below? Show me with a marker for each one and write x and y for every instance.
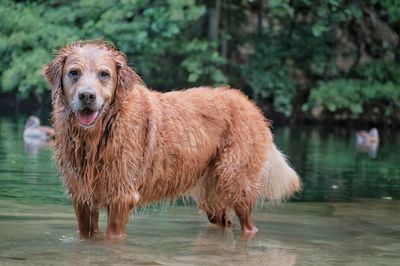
(213, 144)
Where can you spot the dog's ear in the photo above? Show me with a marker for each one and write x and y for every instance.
(53, 73)
(127, 77)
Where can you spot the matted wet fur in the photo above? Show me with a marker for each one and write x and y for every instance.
(139, 146)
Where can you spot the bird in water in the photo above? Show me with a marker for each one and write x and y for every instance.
(367, 137)
(33, 130)
(36, 136)
(368, 141)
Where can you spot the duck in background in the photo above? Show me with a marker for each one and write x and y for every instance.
(367, 138)
(368, 141)
(36, 136)
(34, 130)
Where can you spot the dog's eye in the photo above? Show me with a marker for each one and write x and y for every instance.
(104, 74)
(73, 73)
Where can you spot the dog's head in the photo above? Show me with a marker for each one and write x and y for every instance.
(86, 77)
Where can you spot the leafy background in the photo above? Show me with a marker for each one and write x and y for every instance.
(301, 60)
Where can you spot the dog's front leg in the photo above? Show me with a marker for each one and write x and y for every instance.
(88, 219)
(118, 214)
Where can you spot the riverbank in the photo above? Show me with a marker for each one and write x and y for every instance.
(373, 117)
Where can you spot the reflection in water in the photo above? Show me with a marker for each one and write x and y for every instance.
(214, 241)
(201, 250)
(33, 146)
(364, 232)
(328, 224)
(371, 149)
(333, 170)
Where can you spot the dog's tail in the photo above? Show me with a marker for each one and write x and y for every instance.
(279, 180)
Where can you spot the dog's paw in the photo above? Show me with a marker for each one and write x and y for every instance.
(115, 238)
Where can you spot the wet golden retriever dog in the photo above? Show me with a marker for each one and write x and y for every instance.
(119, 145)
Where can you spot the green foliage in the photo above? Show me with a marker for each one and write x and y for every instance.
(302, 37)
(269, 78)
(346, 94)
(199, 65)
(292, 43)
(392, 7)
(378, 83)
(26, 43)
(286, 55)
(154, 35)
(379, 71)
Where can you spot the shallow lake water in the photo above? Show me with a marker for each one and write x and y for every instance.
(347, 214)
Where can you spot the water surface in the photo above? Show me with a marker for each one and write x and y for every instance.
(347, 214)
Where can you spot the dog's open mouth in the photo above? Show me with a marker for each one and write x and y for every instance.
(87, 117)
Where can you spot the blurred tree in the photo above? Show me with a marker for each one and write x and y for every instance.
(305, 59)
(157, 38)
(305, 46)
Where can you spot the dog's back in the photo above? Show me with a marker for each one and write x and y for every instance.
(195, 129)
(215, 144)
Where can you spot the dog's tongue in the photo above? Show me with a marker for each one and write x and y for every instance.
(87, 117)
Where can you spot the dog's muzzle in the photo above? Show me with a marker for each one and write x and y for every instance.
(88, 109)
(87, 96)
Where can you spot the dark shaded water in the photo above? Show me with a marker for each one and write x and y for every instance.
(347, 214)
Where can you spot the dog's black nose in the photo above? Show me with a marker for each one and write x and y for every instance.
(87, 95)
